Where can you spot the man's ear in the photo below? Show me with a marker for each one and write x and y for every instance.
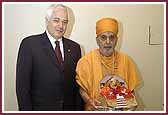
(98, 41)
(46, 20)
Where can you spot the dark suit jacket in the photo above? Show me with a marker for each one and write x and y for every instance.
(41, 83)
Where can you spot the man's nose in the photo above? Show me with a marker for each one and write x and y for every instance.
(108, 40)
(60, 24)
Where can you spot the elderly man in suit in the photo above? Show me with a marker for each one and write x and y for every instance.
(45, 74)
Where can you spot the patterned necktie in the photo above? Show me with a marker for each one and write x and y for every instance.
(58, 52)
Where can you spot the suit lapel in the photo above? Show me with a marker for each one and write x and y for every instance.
(67, 51)
(48, 49)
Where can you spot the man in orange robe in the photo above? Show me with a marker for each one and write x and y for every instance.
(100, 62)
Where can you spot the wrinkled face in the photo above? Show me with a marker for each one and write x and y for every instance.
(106, 42)
(57, 22)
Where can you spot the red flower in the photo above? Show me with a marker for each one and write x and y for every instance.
(111, 93)
(129, 96)
(105, 91)
(111, 97)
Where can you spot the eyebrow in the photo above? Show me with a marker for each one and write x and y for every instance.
(60, 19)
(107, 35)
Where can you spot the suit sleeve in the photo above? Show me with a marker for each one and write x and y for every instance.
(23, 77)
(79, 100)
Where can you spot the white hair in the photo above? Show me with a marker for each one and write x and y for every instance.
(50, 9)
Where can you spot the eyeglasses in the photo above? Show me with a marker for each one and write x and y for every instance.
(105, 37)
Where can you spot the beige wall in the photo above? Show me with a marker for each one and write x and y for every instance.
(21, 20)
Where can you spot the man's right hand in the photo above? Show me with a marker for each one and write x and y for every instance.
(93, 104)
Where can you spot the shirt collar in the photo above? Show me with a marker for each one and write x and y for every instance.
(52, 39)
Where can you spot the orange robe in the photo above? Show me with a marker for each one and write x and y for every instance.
(92, 67)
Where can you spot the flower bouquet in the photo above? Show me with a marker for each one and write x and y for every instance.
(115, 94)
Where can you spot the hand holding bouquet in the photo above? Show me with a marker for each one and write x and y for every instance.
(116, 94)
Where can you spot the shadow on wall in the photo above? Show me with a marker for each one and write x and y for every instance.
(120, 36)
(82, 50)
(71, 21)
(141, 105)
(70, 25)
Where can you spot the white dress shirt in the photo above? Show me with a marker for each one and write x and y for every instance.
(52, 41)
